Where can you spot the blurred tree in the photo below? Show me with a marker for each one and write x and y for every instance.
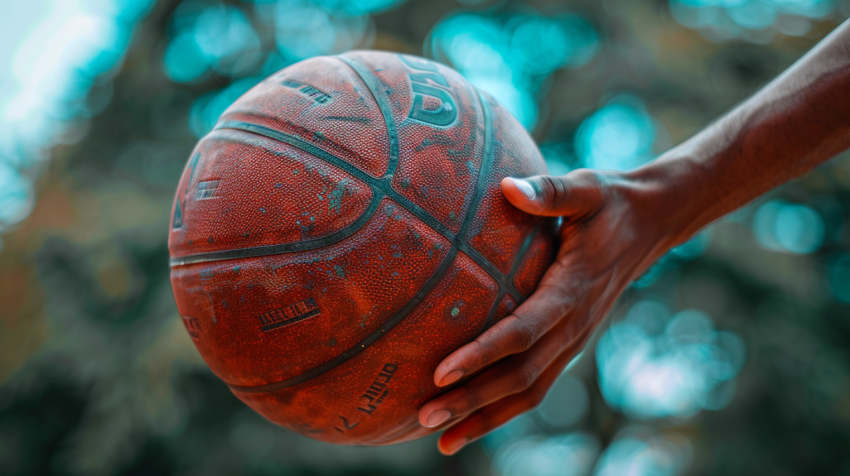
(99, 377)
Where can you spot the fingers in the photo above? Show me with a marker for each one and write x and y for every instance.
(577, 193)
(511, 376)
(512, 335)
(497, 414)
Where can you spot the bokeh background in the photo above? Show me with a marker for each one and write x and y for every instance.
(729, 356)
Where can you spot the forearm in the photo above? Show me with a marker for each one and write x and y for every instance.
(798, 121)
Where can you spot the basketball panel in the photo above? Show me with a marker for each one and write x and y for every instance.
(241, 190)
(321, 101)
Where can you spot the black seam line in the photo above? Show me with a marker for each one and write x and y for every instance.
(492, 314)
(506, 285)
(360, 346)
(252, 252)
(423, 292)
(504, 281)
(526, 244)
(383, 185)
(501, 278)
(481, 182)
(488, 142)
(371, 83)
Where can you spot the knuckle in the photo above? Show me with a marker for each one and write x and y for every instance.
(564, 299)
(552, 188)
(488, 343)
(524, 337)
(467, 401)
(485, 350)
(589, 177)
(524, 377)
(480, 342)
(502, 326)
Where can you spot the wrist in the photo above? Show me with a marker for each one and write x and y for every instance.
(666, 196)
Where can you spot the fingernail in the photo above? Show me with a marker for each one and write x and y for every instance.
(438, 417)
(457, 445)
(525, 187)
(451, 377)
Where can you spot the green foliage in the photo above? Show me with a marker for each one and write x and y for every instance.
(101, 378)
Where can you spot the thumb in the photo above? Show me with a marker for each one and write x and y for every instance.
(578, 193)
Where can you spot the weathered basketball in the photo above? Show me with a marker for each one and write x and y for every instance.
(342, 230)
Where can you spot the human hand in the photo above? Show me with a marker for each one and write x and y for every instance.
(612, 231)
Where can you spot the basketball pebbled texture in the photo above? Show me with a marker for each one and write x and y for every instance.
(342, 230)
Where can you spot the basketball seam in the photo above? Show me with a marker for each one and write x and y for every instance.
(482, 177)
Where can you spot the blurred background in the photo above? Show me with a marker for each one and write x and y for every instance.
(729, 356)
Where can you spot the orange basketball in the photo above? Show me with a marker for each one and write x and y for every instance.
(342, 230)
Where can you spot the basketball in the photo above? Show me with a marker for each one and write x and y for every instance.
(342, 230)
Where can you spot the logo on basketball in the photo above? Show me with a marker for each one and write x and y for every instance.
(193, 326)
(288, 315)
(377, 392)
(447, 112)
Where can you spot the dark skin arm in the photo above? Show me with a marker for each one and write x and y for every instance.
(616, 224)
